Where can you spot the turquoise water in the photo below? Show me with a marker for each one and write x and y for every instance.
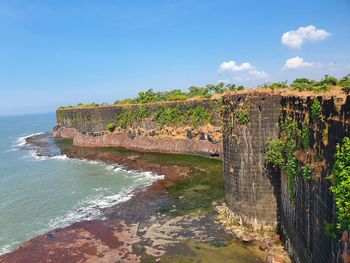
(38, 194)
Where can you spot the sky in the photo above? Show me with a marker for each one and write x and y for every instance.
(55, 53)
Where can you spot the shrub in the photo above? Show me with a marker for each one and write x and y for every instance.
(330, 80)
(341, 184)
(275, 153)
(142, 112)
(111, 127)
(345, 83)
(168, 116)
(126, 118)
(306, 171)
(305, 136)
(280, 152)
(304, 84)
(316, 110)
(199, 115)
(242, 115)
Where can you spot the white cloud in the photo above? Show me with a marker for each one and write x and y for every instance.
(242, 72)
(295, 38)
(296, 63)
(232, 66)
(258, 74)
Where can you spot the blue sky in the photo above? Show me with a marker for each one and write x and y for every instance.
(64, 52)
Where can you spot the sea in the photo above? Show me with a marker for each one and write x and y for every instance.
(41, 193)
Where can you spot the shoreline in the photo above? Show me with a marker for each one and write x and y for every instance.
(145, 227)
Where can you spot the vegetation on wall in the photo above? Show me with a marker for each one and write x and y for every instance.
(305, 136)
(316, 110)
(281, 152)
(341, 184)
(306, 171)
(111, 127)
(242, 116)
(166, 116)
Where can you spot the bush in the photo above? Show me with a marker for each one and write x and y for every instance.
(305, 136)
(306, 171)
(345, 86)
(330, 80)
(242, 116)
(168, 116)
(199, 115)
(345, 83)
(149, 95)
(341, 184)
(316, 110)
(111, 127)
(304, 84)
(275, 153)
(125, 118)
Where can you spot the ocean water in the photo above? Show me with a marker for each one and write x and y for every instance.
(38, 194)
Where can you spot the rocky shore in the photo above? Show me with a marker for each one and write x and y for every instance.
(173, 220)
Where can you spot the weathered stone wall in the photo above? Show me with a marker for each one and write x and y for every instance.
(303, 223)
(96, 119)
(87, 127)
(249, 188)
(255, 194)
(150, 144)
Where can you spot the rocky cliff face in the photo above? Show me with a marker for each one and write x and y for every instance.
(256, 192)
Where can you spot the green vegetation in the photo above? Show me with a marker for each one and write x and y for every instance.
(199, 115)
(304, 84)
(168, 116)
(316, 110)
(242, 116)
(341, 184)
(306, 171)
(330, 230)
(165, 115)
(275, 85)
(275, 153)
(174, 95)
(305, 136)
(280, 152)
(111, 127)
(299, 84)
(344, 83)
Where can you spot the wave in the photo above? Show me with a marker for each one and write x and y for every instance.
(150, 176)
(8, 248)
(39, 157)
(21, 141)
(91, 209)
